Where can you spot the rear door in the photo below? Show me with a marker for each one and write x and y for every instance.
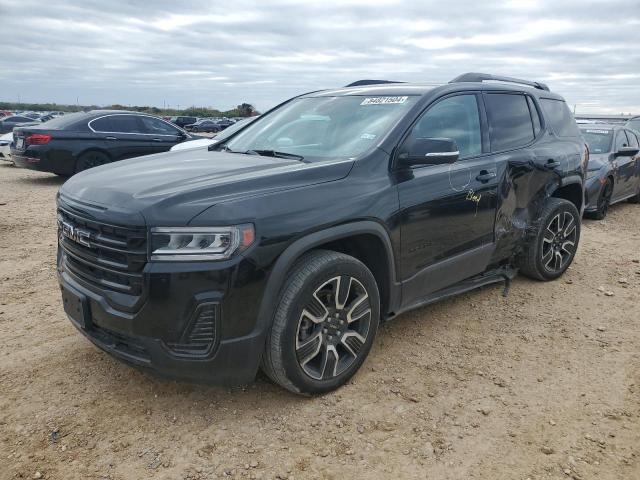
(160, 134)
(122, 135)
(447, 211)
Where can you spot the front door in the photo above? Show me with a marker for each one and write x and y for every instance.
(447, 211)
(626, 176)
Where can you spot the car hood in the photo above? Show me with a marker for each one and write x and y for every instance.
(171, 188)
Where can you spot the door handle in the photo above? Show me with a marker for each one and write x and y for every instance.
(485, 176)
(110, 138)
(157, 139)
(551, 164)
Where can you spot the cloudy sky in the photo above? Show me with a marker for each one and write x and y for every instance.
(219, 54)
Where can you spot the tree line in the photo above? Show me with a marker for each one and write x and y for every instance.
(242, 110)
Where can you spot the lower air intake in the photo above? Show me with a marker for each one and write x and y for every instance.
(199, 338)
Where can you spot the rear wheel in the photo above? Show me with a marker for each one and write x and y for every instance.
(551, 251)
(604, 201)
(195, 130)
(91, 159)
(324, 325)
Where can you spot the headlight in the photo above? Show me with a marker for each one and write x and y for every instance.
(591, 174)
(199, 243)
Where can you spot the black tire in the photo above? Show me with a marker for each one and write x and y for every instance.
(604, 201)
(289, 358)
(195, 130)
(91, 159)
(562, 246)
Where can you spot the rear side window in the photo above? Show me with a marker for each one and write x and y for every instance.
(117, 124)
(559, 117)
(157, 127)
(510, 124)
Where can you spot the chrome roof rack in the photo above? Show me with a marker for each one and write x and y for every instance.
(481, 77)
(361, 83)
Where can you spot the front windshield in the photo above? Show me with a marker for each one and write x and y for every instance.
(323, 127)
(599, 140)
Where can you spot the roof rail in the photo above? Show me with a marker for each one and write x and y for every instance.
(360, 83)
(481, 77)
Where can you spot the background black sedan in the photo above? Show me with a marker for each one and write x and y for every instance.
(613, 174)
(204, 125)
(8, 123)
(76, 142)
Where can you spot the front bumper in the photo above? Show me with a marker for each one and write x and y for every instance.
(156, 331)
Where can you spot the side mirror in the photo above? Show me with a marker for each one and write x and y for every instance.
(429, 151)
(627, 152)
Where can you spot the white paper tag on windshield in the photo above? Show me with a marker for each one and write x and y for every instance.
(599, 132)
(383, 100)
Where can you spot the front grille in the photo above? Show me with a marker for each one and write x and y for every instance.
(200, 335)
(106, 256)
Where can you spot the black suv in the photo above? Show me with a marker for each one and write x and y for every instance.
(286, 244)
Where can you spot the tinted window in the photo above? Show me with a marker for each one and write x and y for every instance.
(156, 126)
(599, 140)
(117, 124)
(510, 124)
(535, 116)
(634, 124)
(633, 141)
(454, 117)
(19, 119)
(559, 117)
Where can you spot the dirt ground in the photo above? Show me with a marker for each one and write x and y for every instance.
(541, 384)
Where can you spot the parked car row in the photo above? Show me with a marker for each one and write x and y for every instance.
(613, 174)
(284, 245)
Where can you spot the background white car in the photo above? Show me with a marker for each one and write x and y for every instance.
(5, 144)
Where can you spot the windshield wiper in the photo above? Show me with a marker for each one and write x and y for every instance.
(274, 153)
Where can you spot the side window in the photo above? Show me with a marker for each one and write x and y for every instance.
(457, 118)
(621, 141)
(559, 117)
(535, 116)
(510, 124)
(158, 127)
(117, 124)
(633, 140)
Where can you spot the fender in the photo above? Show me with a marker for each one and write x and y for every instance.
(287, 259)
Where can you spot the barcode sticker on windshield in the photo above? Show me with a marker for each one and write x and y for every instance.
(383, 100)
(599, 132)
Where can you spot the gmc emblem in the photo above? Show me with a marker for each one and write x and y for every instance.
(77, 235)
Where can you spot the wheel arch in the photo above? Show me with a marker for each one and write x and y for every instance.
(572, 191)
(367, 241)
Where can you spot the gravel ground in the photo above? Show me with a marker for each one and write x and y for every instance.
(543, 383)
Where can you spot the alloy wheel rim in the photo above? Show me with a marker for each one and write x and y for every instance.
(559, 241)
(93, 161)
(333, 327)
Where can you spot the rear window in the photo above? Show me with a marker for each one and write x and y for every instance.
(65, 121)
(633, 140)
(559, 117)
(510, 124)
(599, 140)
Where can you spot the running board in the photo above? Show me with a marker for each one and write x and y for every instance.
(503, 274)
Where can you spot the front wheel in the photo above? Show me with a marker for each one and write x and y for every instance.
(551, 251)
(604, 201)
(324, 324)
